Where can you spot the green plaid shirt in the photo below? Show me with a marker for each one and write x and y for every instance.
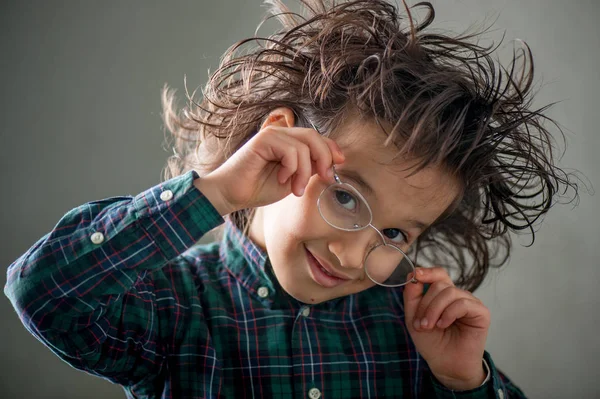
(121, 288)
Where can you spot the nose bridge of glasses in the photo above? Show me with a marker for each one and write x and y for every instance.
(371, 238)
(379, 234)
(355, 246)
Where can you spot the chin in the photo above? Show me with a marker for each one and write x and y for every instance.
(306, 293)
(297, 288)
(296, 281)
(298, 291)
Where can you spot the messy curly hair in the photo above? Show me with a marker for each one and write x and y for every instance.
(448, 102)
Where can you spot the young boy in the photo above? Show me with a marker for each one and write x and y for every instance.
(335, 155)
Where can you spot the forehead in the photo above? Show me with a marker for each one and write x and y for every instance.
(423, 196)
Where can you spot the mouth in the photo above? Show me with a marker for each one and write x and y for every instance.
(322, 275)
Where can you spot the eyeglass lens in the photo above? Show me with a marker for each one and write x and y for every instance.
(343, 207)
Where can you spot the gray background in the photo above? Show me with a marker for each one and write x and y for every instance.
(80, 120)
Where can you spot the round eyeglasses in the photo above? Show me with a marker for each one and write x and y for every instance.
(342, 206)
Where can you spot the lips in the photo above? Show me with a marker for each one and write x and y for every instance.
(329, 270)
(324, 270)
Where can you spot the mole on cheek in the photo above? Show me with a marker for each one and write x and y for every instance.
(312, 299)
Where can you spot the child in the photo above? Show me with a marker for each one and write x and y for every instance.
(337, 155)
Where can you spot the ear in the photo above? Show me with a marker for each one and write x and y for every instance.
(281, 116)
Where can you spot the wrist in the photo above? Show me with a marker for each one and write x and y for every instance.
(210, 189)
(457, 384)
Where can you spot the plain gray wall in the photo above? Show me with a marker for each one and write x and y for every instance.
(80, 120)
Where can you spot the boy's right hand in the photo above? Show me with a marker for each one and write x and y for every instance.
(274, 163)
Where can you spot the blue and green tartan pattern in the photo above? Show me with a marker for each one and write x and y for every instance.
(153, 310)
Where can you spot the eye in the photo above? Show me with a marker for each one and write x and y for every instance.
(395, 235)
(346, 200)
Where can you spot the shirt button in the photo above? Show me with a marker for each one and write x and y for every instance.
(305, 313)
(166, 195)
(500, 394)
(314, 393)
(97, 238)
(263, 292)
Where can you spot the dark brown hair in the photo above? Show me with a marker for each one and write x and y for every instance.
(447, 100)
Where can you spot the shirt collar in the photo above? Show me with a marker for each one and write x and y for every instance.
(245, 260)
(250, 265)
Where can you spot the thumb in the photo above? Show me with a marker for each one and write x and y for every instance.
(413, 292)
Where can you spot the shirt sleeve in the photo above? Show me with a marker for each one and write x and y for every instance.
(86, 288)
(498, 386)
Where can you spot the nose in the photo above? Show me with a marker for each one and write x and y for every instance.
(351, 247)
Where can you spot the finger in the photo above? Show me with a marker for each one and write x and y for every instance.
(426, 318)
(294, 156)
(288, 158)
(469, 311)
(336, 151)
(272, 146)
(298, 150)
(433, 274)
(435, 290)
(303, 171)
(338, 156)
(322, 150)
(413, 292)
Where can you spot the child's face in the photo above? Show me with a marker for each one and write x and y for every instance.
(289, 228)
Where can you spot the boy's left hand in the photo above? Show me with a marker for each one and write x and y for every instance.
(453, 350)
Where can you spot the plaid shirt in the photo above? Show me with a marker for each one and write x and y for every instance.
(122, 289)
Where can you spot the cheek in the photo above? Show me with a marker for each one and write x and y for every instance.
(298, 215)
(286, 223)
(291, 223)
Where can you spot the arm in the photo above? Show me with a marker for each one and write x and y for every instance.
(86, 288)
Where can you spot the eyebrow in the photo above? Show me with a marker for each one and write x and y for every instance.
(358, 179)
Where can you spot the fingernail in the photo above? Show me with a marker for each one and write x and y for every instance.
(424, 323)
(301, 192)
(416, 324)
(439, 323)
(329, 172)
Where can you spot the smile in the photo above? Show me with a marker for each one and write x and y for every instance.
(321, 275)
